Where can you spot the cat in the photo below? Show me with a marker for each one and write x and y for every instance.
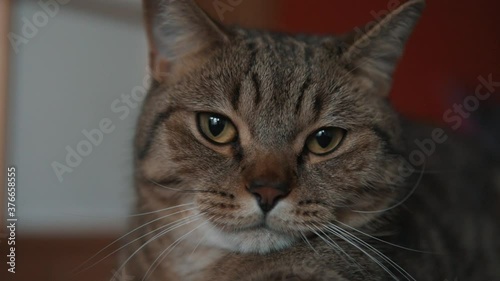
(264, 156)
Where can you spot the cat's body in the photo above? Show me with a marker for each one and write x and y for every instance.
(454, 212)
(273, 153)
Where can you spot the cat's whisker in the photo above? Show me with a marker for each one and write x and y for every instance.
(336, 247)
(122, 247)
(178, 225)
(78, 270)
(383, 241)
(344, 233)
(387, 259)
(204, 236)
(308, 243)
(132, 215)
(161, 210)
(399, 203)
(383, 256)
(174, 189)
(220, 225)
(169, 249)
(354, 244)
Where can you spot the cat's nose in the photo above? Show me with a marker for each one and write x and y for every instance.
(268, 193)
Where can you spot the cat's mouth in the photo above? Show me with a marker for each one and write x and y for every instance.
(261, 226)
(260, 238)
(256, 232)
(277, 222)
(250, 229)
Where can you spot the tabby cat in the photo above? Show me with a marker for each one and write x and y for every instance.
(267, 156)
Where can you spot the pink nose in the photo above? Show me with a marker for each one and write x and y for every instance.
(268, 193)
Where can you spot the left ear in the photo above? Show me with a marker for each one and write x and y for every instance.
(374, 52)
(180, 35)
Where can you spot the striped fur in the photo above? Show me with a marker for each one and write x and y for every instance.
(278, 89)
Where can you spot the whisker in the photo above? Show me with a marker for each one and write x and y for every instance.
(184, 222)
(161, 210)
(346, 234)
(222, 226)
(400, 202)
(337, 247)
(334, 245)
(122, 247)
(394, 264)
(156, 263)
(174, 189)
(77, 269)
(131, 215)
(203, 238)
(380, 264)
(383, 241)
(308, 243)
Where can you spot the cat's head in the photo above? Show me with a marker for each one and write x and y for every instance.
(270, 136)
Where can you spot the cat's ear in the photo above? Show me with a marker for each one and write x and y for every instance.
(373, 52)
(180, 34)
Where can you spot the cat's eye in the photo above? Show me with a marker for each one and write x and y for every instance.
(325, 140)
(216, 128)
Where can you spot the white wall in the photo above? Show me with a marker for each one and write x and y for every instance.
(63, 80)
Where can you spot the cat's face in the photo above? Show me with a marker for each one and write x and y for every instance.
(271, 137)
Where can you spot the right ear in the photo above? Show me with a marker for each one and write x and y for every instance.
(374, 53)
(179, 34)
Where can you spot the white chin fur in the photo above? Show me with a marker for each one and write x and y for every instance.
(259, 241)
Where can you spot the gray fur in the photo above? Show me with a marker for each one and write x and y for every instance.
(278, 89)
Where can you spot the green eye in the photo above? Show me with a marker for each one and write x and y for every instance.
(325, 140)
(216, 128)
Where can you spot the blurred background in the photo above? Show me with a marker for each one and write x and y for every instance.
(66, 65)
